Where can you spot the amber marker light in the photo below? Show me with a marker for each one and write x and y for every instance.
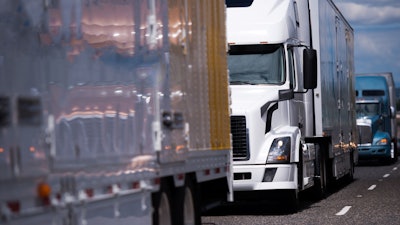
(43, 190)
(281, 158)
(383, 141)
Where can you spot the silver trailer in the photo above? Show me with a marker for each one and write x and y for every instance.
(113, 111)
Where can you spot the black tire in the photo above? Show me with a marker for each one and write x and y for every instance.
(186, 210)
(293, 201)
(162, 206)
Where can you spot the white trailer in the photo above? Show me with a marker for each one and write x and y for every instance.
(291, 77)
(113, 112)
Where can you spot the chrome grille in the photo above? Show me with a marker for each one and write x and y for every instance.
(365, 134)
(239, 138)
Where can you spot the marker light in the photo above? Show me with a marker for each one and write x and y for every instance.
(43, 190)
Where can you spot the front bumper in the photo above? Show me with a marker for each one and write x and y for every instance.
(264, 177)
(374, 151)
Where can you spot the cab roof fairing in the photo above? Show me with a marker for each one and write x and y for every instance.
(271, 21)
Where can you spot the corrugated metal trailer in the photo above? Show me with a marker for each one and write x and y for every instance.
(113, 111)
(334, 97)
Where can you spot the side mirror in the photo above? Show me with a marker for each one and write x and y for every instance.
(309, 68)
(392, 112)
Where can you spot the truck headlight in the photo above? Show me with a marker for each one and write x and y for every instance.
(383, 141)
(279, 151)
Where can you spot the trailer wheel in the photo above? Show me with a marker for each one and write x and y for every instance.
(162, 206)
(186, 209)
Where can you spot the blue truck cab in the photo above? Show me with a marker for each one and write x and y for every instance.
(374, 139)
(374, 116)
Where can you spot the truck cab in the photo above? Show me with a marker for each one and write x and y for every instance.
(374, 139)
(377, 86)
(284, 136)
(265, 71)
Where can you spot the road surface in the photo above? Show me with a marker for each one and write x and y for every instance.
(373, 197)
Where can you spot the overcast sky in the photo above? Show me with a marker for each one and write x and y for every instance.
(376, 25)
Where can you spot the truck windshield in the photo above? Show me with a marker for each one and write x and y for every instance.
(367, 109)
(256, 64)
(238, 3)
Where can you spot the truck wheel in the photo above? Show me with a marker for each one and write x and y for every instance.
(319, 189)
(186, 207)
(162, 206)
(293, 201)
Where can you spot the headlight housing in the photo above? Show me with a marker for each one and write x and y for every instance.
(383, 141)
(279, 151)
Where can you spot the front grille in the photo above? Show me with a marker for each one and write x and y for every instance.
(365, 134)
(239, 138)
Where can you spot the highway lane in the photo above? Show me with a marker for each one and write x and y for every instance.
(373, 197)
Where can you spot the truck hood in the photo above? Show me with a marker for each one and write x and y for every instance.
(368, 120)
(251, 97)
(373, 121)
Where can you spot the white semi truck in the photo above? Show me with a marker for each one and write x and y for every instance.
(291, 78)
(113, 112)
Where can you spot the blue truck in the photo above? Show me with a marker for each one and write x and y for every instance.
(376, 117)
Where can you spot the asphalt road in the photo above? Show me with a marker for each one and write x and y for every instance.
(373, 197)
